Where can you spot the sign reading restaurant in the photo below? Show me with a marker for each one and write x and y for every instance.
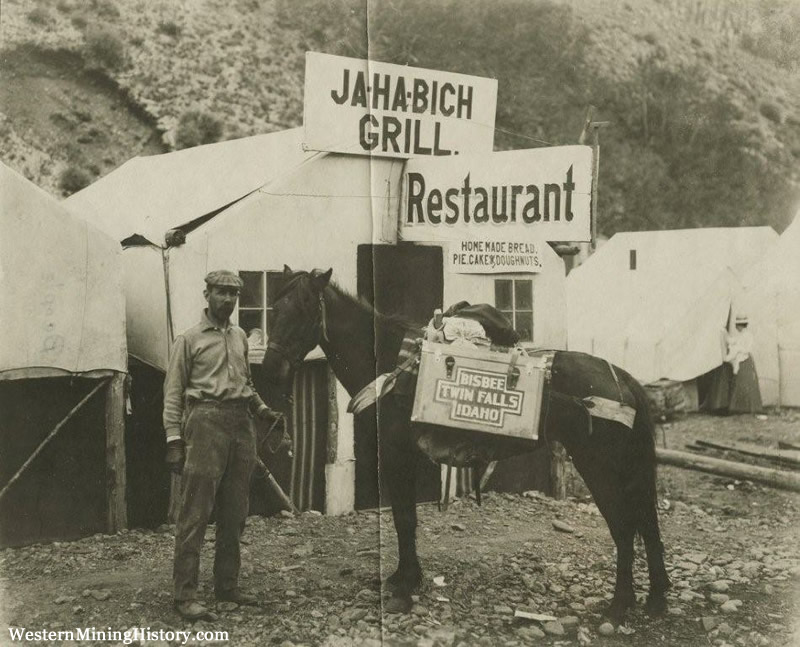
(540, 194)
(365, 107)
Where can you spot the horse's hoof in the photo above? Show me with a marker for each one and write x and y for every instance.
(398, 604)
(392, 582)
(656, 605)
(615, 611)
(399, 581)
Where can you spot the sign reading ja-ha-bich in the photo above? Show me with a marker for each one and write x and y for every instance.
(370, 108)
(541, 193)
(479, 396)
(494, 256)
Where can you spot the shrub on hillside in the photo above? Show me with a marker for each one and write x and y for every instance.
(771, 111)
(196, 127)
(105, 48)
(169, 27)
(79, 22)
(105, 8)
(39, 16)
(73, 179)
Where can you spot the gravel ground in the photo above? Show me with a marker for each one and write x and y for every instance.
(731, 548)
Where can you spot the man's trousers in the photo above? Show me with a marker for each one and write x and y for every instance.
(220, 456)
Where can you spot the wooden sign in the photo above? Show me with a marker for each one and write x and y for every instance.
(494, 256)
(524, 195)
(371, 108)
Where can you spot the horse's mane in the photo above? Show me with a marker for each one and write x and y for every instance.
(397, 323)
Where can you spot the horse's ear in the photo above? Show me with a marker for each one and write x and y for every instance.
(287, 271)
(321, 279)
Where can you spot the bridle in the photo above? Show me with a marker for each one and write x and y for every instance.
(295, 355)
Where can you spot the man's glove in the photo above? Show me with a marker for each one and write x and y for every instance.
(175, 456)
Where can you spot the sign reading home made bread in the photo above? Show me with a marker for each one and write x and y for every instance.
(539, 194)
(370, 108)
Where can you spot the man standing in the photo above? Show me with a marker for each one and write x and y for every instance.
(209, 401)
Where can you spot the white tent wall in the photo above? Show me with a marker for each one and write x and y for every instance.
(313, 218)
(61, 297)
(146, 305)
(771, 300)
(656, 303)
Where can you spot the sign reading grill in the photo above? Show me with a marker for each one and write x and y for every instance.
(479, 396)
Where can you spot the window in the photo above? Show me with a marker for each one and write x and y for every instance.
(255, 304)
(514, 298)
(632, 262)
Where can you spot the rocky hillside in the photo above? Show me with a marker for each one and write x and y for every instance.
(703, 97)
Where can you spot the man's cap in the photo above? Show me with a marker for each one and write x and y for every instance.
(741, 319)
(224, 278)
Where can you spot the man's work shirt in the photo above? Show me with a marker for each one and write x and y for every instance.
(207, 363)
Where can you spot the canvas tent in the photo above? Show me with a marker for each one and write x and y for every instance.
(62, 317)
(771, 300)
(290, 207)
(656, 303)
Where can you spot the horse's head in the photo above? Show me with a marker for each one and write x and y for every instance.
(298, 326)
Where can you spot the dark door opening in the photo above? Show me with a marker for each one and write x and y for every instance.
(405, 280)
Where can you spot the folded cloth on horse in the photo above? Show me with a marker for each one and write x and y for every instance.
(494, 322)
(610, 410)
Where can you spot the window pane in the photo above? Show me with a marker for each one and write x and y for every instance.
(274, 285)
(523, 290)
(524, 326)
(252, 295)
(503, 297)
(249, 319)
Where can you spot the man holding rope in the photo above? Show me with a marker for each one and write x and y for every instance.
(209, 404)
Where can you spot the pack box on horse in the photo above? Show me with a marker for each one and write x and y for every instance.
(617, 462)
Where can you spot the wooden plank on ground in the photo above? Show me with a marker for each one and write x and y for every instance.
(786, 457)
(782, 444)
(768, 476)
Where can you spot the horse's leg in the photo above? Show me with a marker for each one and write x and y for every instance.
(621, 522)
(399, 468)
(610, 496)
(659, 580)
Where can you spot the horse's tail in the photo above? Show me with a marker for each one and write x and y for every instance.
(643, 445)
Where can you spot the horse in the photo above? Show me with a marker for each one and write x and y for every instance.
(617, 462)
